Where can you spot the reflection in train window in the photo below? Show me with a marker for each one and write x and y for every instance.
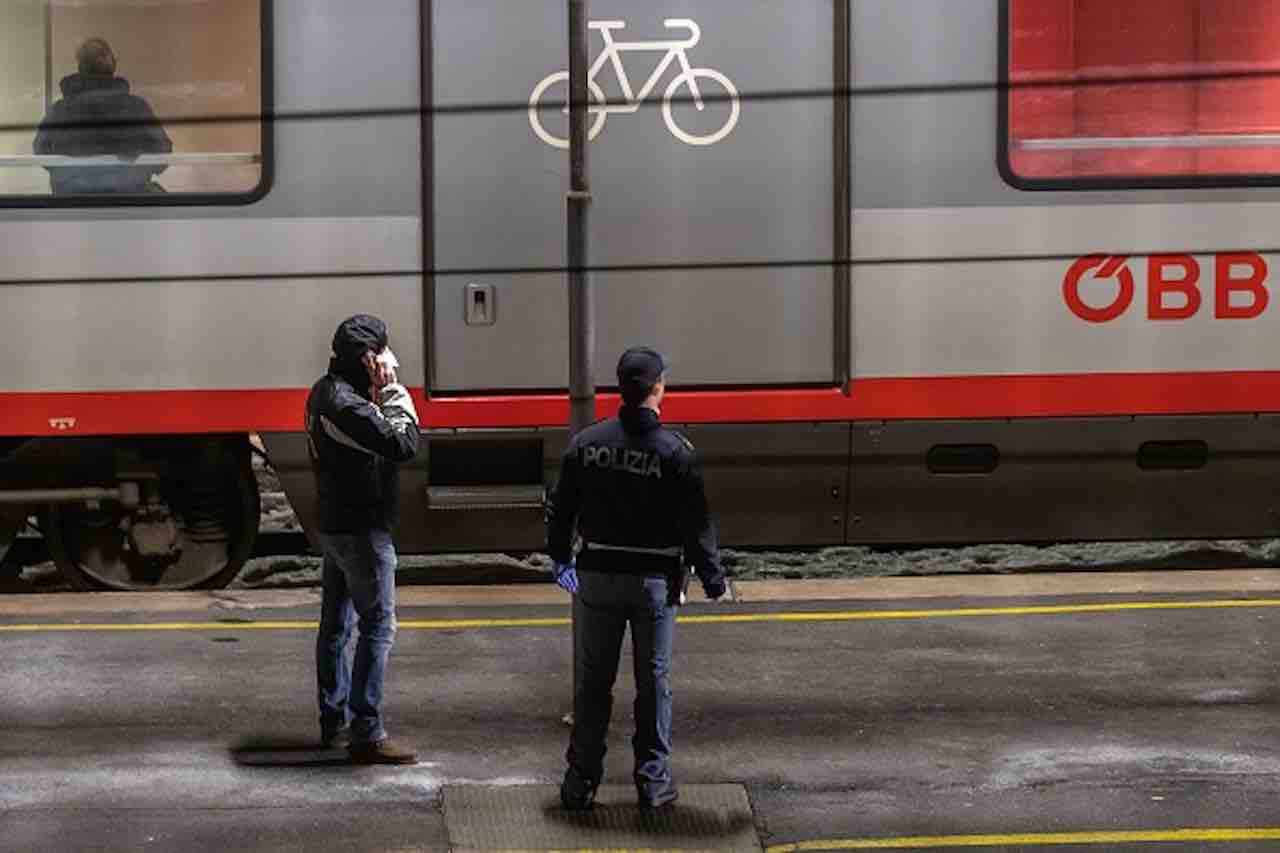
(1173, 91)
(117, 100)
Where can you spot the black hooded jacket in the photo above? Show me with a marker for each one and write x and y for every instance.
(356, 443)
(97, 115)
(633, 490)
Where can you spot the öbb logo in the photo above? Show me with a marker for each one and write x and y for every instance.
(1173, 287)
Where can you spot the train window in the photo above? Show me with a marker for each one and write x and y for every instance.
(125, 102)
(1144, 92)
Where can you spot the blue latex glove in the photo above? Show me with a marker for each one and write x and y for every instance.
(566, 576)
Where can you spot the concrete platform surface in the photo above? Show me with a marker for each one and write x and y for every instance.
(1085, 720)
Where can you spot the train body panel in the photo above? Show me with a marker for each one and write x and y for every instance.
(659, 204)
(994, 318)
(232, 304)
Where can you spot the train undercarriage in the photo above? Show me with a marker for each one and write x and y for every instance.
(135, 514)
(182, 512)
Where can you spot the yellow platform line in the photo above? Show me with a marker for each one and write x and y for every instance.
(1045, 839)
(969, 612)
(709, 619)
(925, 842)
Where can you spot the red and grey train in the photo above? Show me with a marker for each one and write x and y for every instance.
(927, 270)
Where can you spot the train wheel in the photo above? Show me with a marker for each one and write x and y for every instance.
(193, 532)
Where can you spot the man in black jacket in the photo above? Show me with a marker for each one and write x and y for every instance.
(632, 490)
(98, 116)
(361, 423)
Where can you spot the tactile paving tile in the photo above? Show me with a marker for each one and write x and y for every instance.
(529, 817)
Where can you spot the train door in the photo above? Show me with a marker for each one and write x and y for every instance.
(711, 173)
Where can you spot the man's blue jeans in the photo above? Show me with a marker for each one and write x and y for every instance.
(359, 584)
(604, 606)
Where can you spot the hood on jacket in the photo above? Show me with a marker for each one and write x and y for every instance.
(356, 336)
(79, 83)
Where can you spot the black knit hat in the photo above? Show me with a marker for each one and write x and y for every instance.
(356, 335)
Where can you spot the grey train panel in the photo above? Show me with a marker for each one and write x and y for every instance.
(761, 194)
(1064, 479)
(526, 347)
(334, 56)
(716, 327)
(1004, 318)
(185, 335)
(915, 143)
(924, 134)
(195, 248)
(346, 166)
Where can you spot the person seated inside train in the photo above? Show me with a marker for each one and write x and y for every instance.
(98, 116)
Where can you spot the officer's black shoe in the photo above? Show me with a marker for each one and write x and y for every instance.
(655, 795)
(577, 793)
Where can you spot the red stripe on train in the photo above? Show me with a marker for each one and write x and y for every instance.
(178, 412)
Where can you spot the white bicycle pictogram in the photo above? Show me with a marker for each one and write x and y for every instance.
(612, 53)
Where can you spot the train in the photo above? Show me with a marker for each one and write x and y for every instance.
(927, 271)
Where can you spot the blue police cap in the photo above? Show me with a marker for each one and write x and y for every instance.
(639, 369)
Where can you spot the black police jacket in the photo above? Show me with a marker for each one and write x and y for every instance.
(355, 447)
(633, 490)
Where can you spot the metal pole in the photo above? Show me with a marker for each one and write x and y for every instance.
(582, 338)
(843, 198)
(582, 392)
(427, 96)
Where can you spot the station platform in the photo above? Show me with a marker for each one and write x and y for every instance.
(1087, 711)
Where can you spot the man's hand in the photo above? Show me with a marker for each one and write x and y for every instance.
(566, 576)
(380, 374)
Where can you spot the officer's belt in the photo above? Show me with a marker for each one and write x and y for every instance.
(673, 551)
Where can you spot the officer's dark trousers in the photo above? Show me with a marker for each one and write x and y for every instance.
(604, 606)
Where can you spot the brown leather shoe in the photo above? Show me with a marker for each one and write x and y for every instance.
(385, 751)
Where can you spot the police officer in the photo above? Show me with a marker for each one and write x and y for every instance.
(632, 490)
